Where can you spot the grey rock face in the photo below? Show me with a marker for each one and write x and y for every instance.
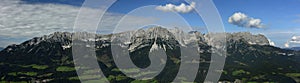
(143, 38)
(247, 36)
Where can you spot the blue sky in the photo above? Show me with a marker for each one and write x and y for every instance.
(281, 18)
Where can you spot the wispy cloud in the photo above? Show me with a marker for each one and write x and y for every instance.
(22, 20)
(243, 20)
(182, 8)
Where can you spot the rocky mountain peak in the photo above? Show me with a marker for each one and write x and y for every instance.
(155, 32)
(248, 37)
(152, 36)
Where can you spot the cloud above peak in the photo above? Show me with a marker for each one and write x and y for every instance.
(271, 42)
(182, 8)
(294, 40)
(243, 20)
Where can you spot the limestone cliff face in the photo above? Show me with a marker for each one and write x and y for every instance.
(247, 36)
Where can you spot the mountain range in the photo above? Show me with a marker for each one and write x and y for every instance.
(294, 48)
(250, 58)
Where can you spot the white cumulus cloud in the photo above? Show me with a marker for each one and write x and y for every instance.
(182, 8)
(295, 40)
(242, 20)
(271, 42)
(287, 45)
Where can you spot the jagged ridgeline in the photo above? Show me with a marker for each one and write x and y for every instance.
(49, 58)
